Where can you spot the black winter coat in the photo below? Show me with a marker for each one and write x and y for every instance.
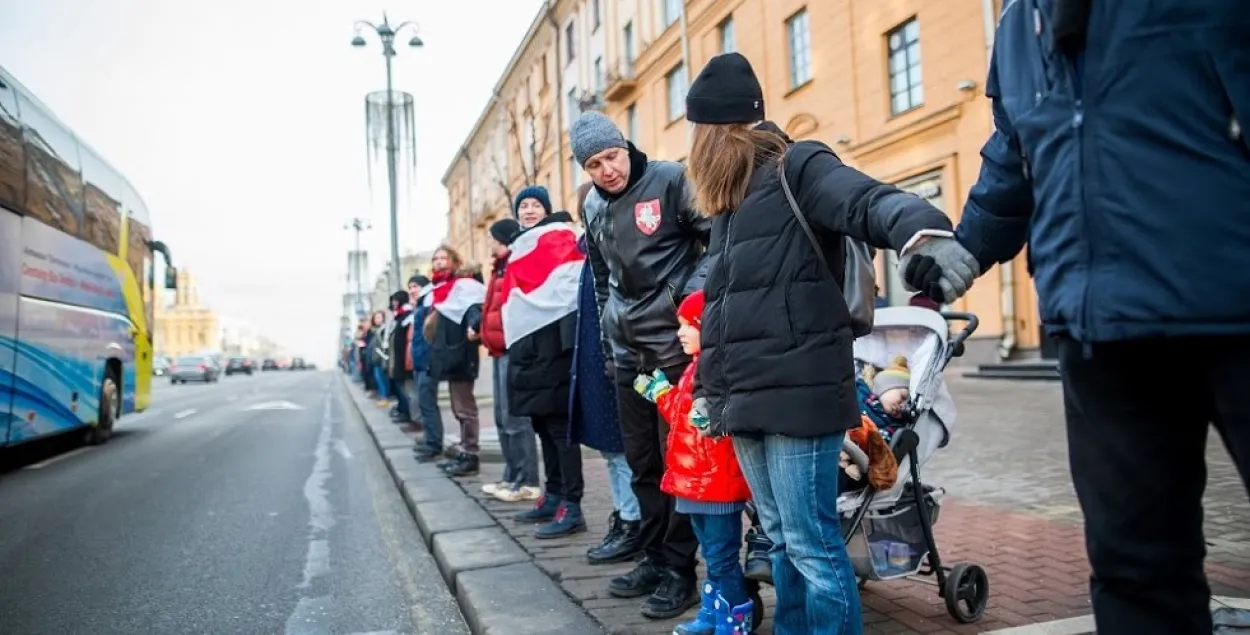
(453, 357)
(539, 366)
(777, 356)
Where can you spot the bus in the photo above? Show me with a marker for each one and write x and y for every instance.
(77, 281)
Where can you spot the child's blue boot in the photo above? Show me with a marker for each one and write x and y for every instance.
(711, 610)
(736, 620)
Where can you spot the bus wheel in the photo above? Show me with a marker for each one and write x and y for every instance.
(110, 398)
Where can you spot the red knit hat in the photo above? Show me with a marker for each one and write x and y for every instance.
(691, 309)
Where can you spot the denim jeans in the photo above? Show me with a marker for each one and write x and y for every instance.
(720, 538)
(383, 382)
(401, 399)
(516, 434)
(619, 479)
(794, 482)
(427, 405)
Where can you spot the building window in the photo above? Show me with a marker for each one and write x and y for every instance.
(599, 78)
(906, 86)
(727, 40)
(628, 36)
(631, 123)
(575, 105)
(596, 18)
(575, 172)
(799, 35)
(676, 83)
(671, 11)
(570, 44)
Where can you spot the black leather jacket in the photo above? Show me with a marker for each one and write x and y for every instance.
(645, 247)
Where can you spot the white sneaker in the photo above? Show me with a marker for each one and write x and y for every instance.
(519, 494)
(491, 488)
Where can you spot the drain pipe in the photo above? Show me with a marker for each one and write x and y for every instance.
(1007, 270)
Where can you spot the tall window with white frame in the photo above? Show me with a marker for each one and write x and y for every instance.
(627, 36)
(675, 81)
(570, 42)
(903, 58)
(728, 43)
(599, 78)
(671, 11)
(575, 172)
(631, 123)
(799, 36)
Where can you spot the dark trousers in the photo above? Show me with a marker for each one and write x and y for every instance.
(562, 461)
(1137, 414)
(668, 538)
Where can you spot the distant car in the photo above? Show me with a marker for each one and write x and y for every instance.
(238, 365)
(160, 366)
(298, 364)
(187, 369)
(269, 364)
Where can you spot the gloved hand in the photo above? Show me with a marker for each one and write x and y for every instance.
(940, 268)
(652, 387)
(698, 417)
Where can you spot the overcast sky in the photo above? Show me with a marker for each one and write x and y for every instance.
(241, 123)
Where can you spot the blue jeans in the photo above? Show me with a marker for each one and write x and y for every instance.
(794, 482)
(517, 441)
(383, 382)
(619, 479)
(720, 538)
(431, 416)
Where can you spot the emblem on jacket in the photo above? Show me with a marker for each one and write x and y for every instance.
(647, 216)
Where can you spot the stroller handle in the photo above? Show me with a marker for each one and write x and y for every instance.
(955, 347)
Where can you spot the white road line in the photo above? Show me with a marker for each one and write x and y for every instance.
(45, 463)
(185, 413)
(310, 616)
(341, 448)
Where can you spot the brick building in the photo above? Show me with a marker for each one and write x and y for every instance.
(895, 86)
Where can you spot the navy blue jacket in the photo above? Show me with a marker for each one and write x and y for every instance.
(419, 347)
(1125, 169)
(594, 422)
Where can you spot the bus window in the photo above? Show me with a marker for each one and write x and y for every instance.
(139, 257)
(102, 225)
(12, 155)
(53, 181)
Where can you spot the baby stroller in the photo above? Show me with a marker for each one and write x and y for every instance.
(889, 533)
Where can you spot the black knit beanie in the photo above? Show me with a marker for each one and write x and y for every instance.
(505, 230)
(726, 91)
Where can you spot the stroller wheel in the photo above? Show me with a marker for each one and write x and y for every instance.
(967, 592)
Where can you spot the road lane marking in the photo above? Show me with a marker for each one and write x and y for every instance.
(185, 413)
(46, 462)
(341, 448)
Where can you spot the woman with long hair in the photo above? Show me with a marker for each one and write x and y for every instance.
(777, 372)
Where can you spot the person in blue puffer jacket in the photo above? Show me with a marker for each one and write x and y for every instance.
(1120, 158)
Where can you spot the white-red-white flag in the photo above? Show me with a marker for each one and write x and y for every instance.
(541, 280)
(453, 297)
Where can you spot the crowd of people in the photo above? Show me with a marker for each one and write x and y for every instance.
(692, 328)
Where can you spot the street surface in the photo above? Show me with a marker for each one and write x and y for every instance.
(255, 505)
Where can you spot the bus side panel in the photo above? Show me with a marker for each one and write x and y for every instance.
(10, 259)
(70, 322)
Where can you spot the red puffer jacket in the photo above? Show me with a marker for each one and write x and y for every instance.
(697, 468)
(492, 311)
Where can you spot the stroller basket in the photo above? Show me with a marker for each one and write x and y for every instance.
(891, 543)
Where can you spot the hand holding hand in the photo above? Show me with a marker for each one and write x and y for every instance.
(940, 268)
(471, 334)
(652, 387)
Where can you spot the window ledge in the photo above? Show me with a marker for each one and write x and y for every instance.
(797, 89)
(676, 121)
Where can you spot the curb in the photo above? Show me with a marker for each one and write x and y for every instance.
(496, 583)
(1084, 625)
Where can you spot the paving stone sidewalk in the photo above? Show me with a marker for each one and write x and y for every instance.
(1009, 507)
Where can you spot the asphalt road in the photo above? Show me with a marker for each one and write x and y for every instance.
(255, 505)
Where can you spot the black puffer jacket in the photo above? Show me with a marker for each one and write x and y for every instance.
(777, 356)
(644, 247)
(453, 356)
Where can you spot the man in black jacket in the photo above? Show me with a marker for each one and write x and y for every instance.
(644, 244)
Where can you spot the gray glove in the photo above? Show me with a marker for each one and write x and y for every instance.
(940, 268)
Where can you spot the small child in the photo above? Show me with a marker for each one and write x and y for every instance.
(703, 475)
(885, 402)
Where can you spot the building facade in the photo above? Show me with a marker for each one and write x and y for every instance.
(894, 86)
(186, 327)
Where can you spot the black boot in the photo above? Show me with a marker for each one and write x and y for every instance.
(452, 462)
(623, 542)
(644, 579)
(468, 465)
(675, 595)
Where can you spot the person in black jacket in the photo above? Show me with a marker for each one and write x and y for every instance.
(777, 371)
(644, 245)
(401, 361)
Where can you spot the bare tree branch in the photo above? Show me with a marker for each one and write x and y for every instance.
(501, 177)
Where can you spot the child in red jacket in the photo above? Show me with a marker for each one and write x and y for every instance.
(702, 474)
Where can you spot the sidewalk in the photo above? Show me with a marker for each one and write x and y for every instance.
(1009, 508)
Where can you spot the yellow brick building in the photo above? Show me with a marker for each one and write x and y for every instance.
(186, 327)
(894, 86)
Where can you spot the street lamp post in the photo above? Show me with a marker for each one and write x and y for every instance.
(386, 34)
(358, 225)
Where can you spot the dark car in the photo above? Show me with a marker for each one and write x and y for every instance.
(298, 364)
(269, 364)
(238, 365)
(187, 369)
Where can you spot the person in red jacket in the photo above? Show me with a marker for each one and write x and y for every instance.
(702, 474)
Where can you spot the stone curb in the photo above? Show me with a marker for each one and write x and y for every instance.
(1084, 625)
(498, 587)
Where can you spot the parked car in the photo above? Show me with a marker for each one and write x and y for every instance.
(160, 366)
(269, 364)
(187, 369)
(238, 365)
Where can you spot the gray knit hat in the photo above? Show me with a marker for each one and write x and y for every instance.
(592, 133)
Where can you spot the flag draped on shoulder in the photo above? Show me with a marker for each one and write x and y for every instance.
(453, 297)
(540, 282)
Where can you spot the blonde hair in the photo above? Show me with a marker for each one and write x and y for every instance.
(454, 256)
(723, 158)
